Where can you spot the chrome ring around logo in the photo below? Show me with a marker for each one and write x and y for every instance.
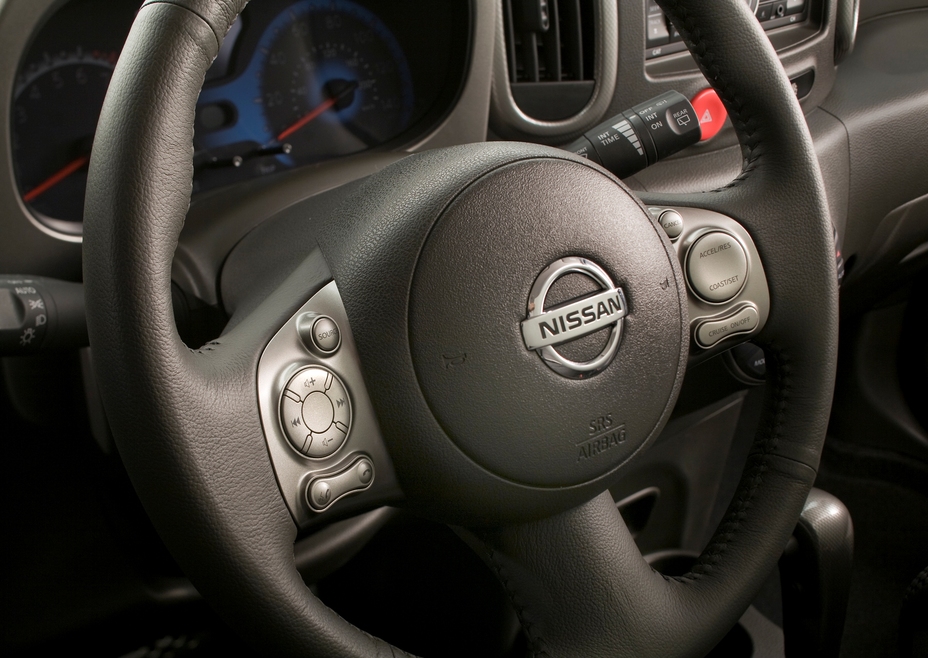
(543, 330)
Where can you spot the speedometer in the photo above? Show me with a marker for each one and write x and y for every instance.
(334, 81)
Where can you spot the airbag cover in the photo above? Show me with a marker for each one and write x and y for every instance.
(497, 400)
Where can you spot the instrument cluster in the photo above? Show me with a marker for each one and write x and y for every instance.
(295, 83)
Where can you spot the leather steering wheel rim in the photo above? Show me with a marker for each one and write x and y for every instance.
(189, 434)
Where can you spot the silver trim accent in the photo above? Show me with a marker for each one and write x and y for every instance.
(533, 329)
(531, 326)
(285, 355)
(510, 120)
(696, 223)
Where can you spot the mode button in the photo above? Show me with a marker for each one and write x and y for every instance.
(319, 333)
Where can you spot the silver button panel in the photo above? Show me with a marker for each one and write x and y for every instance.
(318, 419)
(724, 276)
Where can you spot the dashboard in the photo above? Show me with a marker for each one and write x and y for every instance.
(376, 80)
(295, 83)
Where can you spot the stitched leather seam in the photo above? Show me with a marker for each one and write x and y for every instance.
(200, 16)
(732, 524)
(792, 460)
(535, 639)
(208, 347)
(742, 120)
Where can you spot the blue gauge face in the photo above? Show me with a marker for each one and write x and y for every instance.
(328, 79)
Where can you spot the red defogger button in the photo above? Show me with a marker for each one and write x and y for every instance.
(711, 113)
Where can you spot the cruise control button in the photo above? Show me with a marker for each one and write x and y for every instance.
(325, 490)
(315, 412)
(716, 267)
(712, 331)
(672, 223)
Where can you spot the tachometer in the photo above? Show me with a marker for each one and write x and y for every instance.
(56, 105)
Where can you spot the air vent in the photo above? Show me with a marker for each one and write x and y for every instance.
(550, 51)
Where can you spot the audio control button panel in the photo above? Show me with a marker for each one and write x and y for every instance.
(316, 412)
(322, 435)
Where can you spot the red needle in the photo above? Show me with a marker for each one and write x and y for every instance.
(316, 111)
(55, 178)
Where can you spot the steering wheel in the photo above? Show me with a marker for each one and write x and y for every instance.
(433, 260)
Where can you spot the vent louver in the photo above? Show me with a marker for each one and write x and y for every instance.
(550, 48)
